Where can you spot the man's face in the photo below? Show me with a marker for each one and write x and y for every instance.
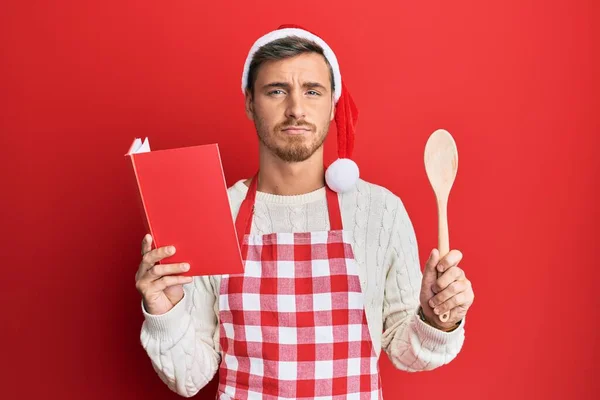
(292, 106)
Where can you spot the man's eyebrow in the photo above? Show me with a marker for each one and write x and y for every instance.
(276, 85)
(314, 85)
(286, 85)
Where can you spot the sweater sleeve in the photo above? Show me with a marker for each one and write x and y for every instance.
(411, 344)
(181, 342)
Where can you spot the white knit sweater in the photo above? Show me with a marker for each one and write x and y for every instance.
(183, 344)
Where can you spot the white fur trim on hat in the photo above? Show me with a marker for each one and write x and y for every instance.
(281, 33)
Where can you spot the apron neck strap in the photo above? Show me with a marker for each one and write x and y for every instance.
(333, 208)
(243, 222)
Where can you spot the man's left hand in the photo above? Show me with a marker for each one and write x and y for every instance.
(452, 291)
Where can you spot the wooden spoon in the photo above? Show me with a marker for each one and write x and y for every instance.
(441, 165)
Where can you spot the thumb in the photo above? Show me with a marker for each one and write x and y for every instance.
(430, 272)
(146, 243)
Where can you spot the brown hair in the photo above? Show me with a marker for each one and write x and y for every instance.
(283, 48)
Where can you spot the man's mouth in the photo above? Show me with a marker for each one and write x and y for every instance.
(296, 130)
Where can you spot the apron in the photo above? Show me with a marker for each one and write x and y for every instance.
(293, 324)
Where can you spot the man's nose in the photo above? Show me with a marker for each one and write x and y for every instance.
(295, 108)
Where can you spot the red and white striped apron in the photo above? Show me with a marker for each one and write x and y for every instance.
(293, 325)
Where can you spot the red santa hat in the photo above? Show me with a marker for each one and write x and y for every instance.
(343, 173)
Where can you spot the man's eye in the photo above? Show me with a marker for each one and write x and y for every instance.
(276, 91)
(313, 93)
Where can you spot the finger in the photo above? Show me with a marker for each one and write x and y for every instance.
(449, 260)
(146, 244)
(453, 289)
(156, 255)
(168, 281)
(160, 270)
(450, 304)
(451, 275)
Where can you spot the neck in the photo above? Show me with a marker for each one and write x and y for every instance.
(289, 179)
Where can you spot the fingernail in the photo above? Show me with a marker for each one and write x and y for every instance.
(436, 311)
(171, 250)
(431, 303)
(185, 266)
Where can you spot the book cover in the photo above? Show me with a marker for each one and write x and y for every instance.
(183, 194)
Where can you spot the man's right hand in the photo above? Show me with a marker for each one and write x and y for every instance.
(160, 289)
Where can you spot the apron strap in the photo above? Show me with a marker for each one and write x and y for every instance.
(333, 207)
(243, 222)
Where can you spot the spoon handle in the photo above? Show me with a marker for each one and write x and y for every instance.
(443, 240)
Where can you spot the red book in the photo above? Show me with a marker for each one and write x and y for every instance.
(184, 201)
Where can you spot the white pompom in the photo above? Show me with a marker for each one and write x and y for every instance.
(342, 175)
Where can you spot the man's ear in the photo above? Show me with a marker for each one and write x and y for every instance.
(249, 106)
(332, 116)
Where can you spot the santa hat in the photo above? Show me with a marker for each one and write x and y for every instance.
(343, 173)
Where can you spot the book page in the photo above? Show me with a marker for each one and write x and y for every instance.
(140, 147)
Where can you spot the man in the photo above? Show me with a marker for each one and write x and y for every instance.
(332, 274)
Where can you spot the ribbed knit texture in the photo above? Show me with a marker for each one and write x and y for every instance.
(183, 344)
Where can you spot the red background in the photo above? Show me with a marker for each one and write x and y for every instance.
(515, 82)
